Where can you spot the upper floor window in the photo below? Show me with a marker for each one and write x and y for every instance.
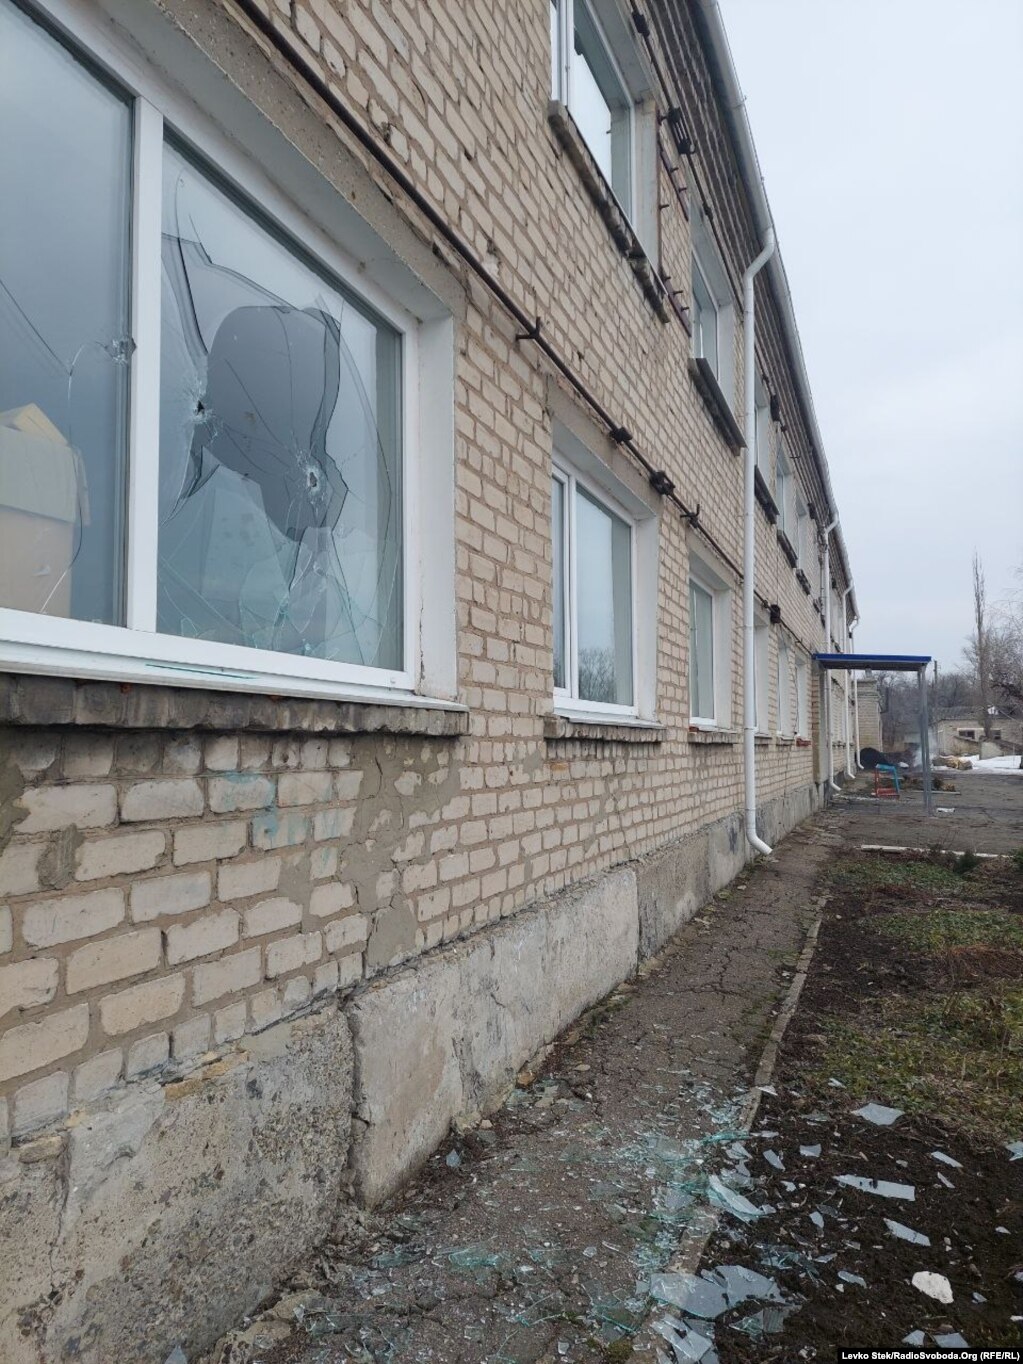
(597, 73)
(784, 491)
(204, 427)
(761, 676)
(762, 432)
(712, 312)
(803, 545)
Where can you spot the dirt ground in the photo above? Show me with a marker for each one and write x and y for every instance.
(540, 1234)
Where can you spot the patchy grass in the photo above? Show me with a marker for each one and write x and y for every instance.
(959, 1058)
(879, 873)
(935, 930)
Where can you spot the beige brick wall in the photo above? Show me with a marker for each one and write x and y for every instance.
(165, 892)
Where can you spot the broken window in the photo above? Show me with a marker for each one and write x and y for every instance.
(65, 165)
(160, 331)
(280, 441)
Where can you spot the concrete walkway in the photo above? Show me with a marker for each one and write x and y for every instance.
(525, 1239)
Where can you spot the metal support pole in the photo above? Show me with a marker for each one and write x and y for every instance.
(925, 740)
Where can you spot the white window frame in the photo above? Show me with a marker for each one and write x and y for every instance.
(784, 672)
(630, 69)
(134, 651)
(567, 699)
(802, 698)
(705, 576)
(707, 260)
(762, 673)
(784, 477)
(763, 433)
(802, 545)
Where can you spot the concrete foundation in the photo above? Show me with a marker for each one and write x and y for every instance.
(165, 1216)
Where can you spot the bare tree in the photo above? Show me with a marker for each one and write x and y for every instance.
(978, 650)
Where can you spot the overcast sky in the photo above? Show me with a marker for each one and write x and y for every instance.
(890, 133)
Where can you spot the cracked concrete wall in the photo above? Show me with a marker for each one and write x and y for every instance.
(164, 1213)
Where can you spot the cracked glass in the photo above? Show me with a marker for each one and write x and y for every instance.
(64, 328)
(280, 440)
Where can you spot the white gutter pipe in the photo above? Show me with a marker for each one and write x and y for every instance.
(846, 646)
(749, 695)
(826, 592)
(855, 702)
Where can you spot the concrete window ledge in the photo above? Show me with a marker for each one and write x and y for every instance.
(761, 740)
(28, 700)
(556, 727)
(785, 740)
(621, 230)
(714, 736)
(716, 403)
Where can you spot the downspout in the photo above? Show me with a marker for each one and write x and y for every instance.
(856, 701)
(847, 647)
(826, 587)
(749, 698)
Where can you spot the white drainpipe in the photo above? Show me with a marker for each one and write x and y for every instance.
(847, 646)
(749, 697)
(855, 702)
(827, 650)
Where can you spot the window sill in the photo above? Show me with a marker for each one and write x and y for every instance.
(717, 404)
(787, 550)
(803, 581)
(33, 700)
(785, 740)
(761, 740)
(763, 496)
(699, 735)
(622, 232)
(624, 731)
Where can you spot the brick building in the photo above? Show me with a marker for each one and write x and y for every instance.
(373, 470)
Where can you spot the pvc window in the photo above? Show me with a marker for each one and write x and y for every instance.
(802, 699)
(205, 428)
(593, 546)
(761, 673)
(713, 310)
(709, 648)
(784, 491)
(599, 74)
(762, 433)
(706, 344)
(784, 690)
(802, 545)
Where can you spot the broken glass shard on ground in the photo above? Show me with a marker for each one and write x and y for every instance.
(915, 1338)
(696, 1294)
(882, 1187)
(724, 1197)
(946, 1160)
(935, 1286)
(689, 1346)
(847, 1277)
(774, 1159)
(951, 1340)
(1015, 1149)
(766, 1322)
(811, 1152)
(878, 1114)
(915, 1238)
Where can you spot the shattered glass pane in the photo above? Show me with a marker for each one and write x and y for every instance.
(280, 442)
(64, 328)
(882, 1187)
(915, 1238)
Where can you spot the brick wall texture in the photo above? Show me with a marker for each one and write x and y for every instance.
(164, 891)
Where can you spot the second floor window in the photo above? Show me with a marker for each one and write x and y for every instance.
(587, 79)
